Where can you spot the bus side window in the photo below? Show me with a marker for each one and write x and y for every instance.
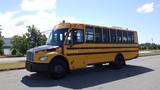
(106, 36)
(78, 36)
(125, 37)
(113, 36)
(89, 34)
(98, 35)
(119, 36)
(131, 37)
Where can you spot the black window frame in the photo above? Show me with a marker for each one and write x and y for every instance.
(119, 36)
(76, 37)
(131, 36)
(125, 36)
(113, 36)
(86, 34)
(106, 35)
(98, 30)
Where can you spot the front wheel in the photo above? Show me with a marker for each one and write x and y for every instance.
(58, 69)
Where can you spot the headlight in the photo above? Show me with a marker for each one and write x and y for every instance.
(43, 58)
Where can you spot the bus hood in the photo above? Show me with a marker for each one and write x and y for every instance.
(43, 48)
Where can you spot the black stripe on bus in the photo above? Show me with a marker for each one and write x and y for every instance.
(100, 52)
(98, 47)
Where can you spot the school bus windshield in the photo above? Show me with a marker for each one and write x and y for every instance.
(57, 37)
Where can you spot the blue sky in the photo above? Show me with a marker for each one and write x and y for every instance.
(140, 15)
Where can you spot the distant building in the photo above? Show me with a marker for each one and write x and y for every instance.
(7, 46)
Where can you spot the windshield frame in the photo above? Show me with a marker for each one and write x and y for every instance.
(57, 39)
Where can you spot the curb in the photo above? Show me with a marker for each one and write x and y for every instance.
(2, 70)
(149, 55)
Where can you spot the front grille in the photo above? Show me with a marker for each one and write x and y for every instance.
(30, 56)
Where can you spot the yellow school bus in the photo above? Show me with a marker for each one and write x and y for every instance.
(72, 46)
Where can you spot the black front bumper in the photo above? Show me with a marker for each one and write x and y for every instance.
(36, 67)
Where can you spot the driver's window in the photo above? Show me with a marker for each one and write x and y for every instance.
(69, 38)
(78, 36)
(75, 36)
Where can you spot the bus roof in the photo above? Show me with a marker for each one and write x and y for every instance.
(82, 26)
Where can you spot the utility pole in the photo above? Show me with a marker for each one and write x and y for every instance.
(152, 40)
(152, 43)
(0, 30)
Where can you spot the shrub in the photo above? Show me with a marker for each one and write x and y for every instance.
(15, 52)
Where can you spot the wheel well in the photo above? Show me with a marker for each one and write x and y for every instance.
(62, 58)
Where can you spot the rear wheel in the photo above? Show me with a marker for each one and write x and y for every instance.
(118, 63)
(58, 69)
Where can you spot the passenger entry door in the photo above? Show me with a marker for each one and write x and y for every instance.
(72, 49)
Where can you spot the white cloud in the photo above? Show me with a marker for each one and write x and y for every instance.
(14, 23)
(38, 5)
(146, 8)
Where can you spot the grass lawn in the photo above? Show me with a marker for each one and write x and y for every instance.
(9, 56)
(2, 56)
(11, 65)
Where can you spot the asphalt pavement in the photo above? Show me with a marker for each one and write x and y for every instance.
(139, 74)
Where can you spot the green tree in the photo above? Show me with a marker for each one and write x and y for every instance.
(158, 47)
(149, 46)
(1, 45)
(19, 45)
(35, 37)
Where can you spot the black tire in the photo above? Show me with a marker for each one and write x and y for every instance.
(40, 72)
(118, 63)
(58, 69)
(98, 65)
